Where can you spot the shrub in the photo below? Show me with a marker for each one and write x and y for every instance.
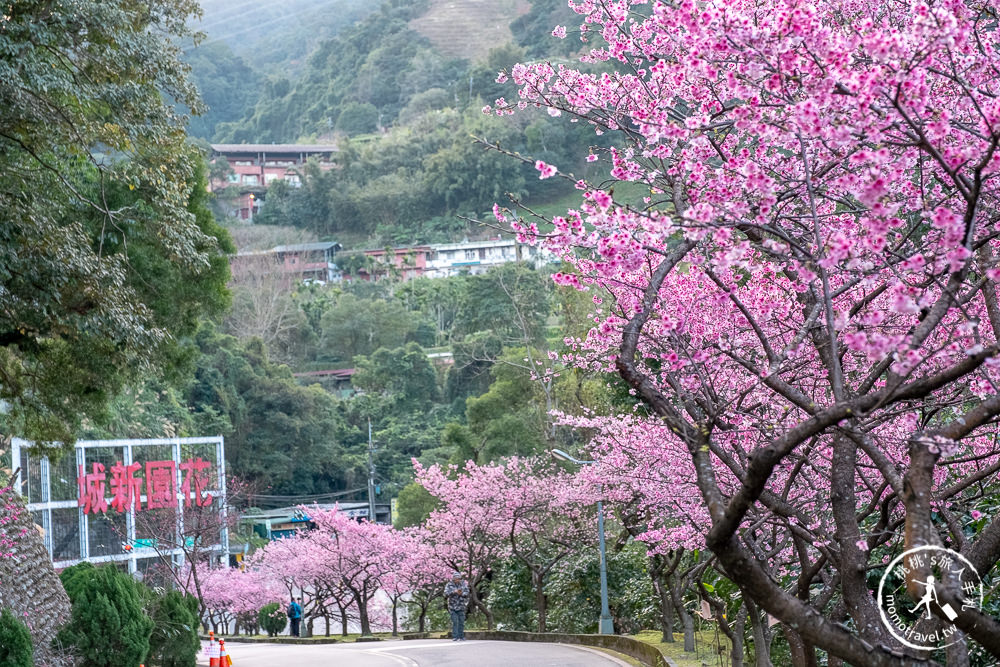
(272, 618)
(174, 642)
(15, 642)
(108, 626)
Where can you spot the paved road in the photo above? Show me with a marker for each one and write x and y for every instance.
(418, 653)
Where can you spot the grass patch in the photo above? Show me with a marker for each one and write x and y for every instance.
(615, 654)
(706, 643)
(624, 193)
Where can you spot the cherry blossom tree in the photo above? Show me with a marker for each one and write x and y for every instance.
(231, 594)
(548, 515)
(805, 302)
(419, 578)
(362, 554)
(302, 564)
(523, 508)
(461, 531)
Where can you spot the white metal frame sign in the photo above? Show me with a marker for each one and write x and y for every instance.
(87, 504)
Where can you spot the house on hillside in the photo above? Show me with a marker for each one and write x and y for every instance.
(440, 260)
(450, 259)
(252, 167)
(299, 262)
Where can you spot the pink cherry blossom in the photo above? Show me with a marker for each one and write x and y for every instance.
(805, 306)
(545, 170)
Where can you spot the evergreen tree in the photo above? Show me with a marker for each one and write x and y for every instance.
(174, 642)
(15, 642)
(108, 626)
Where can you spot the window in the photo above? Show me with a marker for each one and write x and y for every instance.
(470, 255)
(250, 179)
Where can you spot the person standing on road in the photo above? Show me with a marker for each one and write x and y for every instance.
(456, 592)
(295, 615)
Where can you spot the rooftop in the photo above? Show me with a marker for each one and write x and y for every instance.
(306, 247)
(274, 148)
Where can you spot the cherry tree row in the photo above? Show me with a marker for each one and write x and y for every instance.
(347, 569)
(804, 305)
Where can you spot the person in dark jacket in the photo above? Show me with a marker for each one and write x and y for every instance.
(295, 615)
(456, 592)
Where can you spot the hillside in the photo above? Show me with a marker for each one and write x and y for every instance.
(277, 37)
(469, 28)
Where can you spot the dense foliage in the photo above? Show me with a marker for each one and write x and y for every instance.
(272, 618)
(100, 206)
(174, 641)
(15, 642)
(109, 626)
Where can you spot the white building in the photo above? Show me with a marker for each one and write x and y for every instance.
(450, 259)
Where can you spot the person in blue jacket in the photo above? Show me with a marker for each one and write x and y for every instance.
(295, 615)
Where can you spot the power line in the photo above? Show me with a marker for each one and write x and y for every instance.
(269, 499)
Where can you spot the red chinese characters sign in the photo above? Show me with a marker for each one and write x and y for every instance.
(126, 489)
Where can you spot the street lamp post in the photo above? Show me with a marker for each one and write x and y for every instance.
(606, 625)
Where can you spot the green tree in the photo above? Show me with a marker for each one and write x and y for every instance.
(228, 85)
(512, 300)
(279, 434)
(82, 124)
(404, 372)
(357, 118)
(174, 642)
(272, 618)
(508, 419)
(357, 326)
(533, 30)
(108, 626)
(414, 505)
(473, 357)
(15, 642)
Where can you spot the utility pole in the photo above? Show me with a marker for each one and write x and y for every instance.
(371, 474)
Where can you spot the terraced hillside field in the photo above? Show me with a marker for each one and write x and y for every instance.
(469, 28)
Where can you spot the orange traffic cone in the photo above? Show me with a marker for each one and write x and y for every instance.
(224, 659)
(213, 651)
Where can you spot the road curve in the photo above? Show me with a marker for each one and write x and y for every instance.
(419, 653)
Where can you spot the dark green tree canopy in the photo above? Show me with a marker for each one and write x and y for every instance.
(108, 627)
(106, 250)
(15, 642)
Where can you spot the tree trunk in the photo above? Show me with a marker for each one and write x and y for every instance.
(736, 638)
(395, 615)
(803, 654)
(343, 618)
(686, 621)
(666, 611)
(762, 634)
(366, 628)
(422, 627)
(957, 655)
(541, 602)
(688, 624)
(481, 605)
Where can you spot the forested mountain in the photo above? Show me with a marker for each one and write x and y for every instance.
(407, 116)
(278, 36)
